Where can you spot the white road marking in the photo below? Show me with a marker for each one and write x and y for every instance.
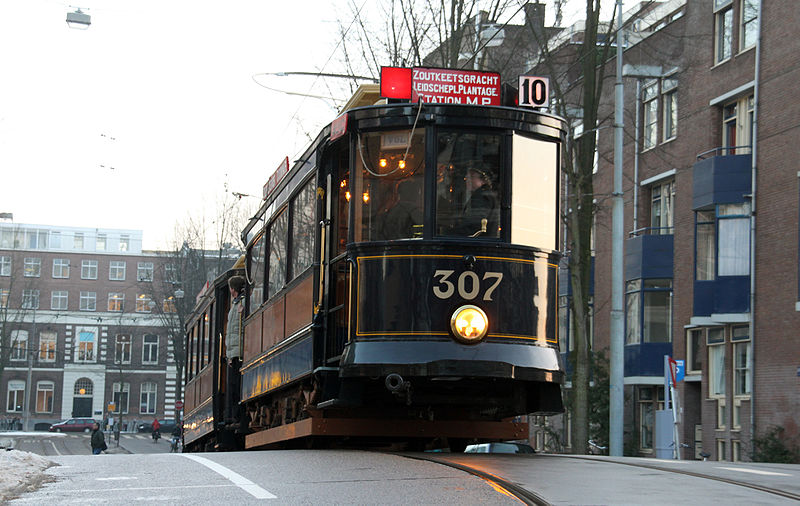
(753, 471)
(237, 479)
(54, 447)
(117, 478)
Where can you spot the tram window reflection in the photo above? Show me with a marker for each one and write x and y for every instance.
(468, 184)
(388, 186)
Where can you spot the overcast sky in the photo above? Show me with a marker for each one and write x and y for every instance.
(142, 119)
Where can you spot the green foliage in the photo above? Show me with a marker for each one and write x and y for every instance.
(775, 446)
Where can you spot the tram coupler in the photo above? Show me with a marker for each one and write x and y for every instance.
(398, 386)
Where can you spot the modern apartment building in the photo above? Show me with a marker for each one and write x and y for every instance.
(87, 319)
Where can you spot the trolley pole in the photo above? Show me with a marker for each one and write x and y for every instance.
(617, 337)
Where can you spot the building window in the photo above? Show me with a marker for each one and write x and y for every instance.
(83, 387)
(144, 271)
(16, 396)
(59, 299)
(749, 28)
(150, 349)
(125, 243)
(650, 113)
(737, 125)
(121, 391)
(116, 301)
(88, 269)
(723, 30)
(168, 305)
(100, 244)
(277, 253)
(77, 240)
(122, 350)
(722, 451)
(37, 239)
(44, 396)
(87, 342)
(716, 362)
(650, 399)
(60, 268)
(693, 358)
(33, 267)
(740, 336)
(116, 271)
(662, 198)
(30, 299)
(148, 398)
(303, 229)
(19, 345)
(47, 346)
(4, 294)
(734, 239)
(652, 322)
(705, 246)
(669, 95)
(55, 240)
(170, 273)
(88, 301)
(5, 266)
(143, 302)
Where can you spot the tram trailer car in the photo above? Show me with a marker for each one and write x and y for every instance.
(403, 279)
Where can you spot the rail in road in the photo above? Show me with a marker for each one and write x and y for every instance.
(554, 479)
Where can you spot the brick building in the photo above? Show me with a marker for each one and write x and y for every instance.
(87, 318)
(711, 221)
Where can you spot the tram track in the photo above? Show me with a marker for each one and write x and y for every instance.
(497, 482)
(722, 479)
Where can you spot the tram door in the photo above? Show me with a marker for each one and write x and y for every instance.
(336, 166)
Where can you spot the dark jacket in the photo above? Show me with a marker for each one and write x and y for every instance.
(482, 204)
(98, 440)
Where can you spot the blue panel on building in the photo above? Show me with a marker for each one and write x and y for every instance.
(646, 359)
(721, 180)
(649, 256)
(724, 295)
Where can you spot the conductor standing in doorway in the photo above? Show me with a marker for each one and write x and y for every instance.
(233, 339)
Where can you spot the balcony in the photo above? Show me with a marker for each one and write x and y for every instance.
(649, 253)
(720, 177)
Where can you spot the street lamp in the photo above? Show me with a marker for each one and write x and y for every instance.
(79, 20)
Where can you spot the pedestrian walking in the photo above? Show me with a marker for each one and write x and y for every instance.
(98, 440)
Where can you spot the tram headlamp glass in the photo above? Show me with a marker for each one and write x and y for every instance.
(469, 324)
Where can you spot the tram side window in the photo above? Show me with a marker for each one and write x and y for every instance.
(277, 252)
(388, 185)
(255, 274)
(303, 220)
(468, 184)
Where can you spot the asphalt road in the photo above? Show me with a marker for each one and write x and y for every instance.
(57, 444)
(282, 477)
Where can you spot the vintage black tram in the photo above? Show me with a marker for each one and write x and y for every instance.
(402, 279)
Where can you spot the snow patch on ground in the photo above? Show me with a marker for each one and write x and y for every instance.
(20, 472)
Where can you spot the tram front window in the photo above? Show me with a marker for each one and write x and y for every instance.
(468, 184)
(388, 185)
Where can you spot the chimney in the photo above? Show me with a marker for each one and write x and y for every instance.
(534, 17)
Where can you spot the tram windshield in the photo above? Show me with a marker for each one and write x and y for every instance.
(467, 184)
(388, 185)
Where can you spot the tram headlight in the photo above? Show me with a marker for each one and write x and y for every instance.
(469, 324)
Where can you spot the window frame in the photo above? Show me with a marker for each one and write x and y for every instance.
(693, 351)
(717, 372)
(669, 108)
(61, 268)
(30, 298)
(89, 269)
(48, 346)
(32, 267)
(150, 349)
(723, 31)
(18, 340)
(116, 302)
(117, 270)
(143, 301)
(88, 301)
(41, 386)
(123, 348)
(5, 265)
(737, 369)
(86, 350)
(18, 405)
(666, 201)
(144, 271)
(148, 398)
(650, 108)
(120, 392)
(744, 24)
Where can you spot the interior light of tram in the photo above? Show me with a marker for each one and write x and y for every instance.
(365, 197)
(382, 162)
(401, 164)
(347, 196)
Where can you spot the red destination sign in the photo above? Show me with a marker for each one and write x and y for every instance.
(446, 86)
(275, 178)
(339, 127)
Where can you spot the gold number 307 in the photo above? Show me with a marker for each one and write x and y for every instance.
(468, 284)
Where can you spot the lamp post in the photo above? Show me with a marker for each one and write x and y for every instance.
(79, 20)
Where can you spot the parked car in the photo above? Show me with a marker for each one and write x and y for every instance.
(167, 426)
(499, 448)
(74, 425)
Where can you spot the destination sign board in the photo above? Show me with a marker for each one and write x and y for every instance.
(441, 86)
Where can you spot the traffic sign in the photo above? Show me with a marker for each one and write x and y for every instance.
(178, 404)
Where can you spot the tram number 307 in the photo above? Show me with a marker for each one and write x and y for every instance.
(469, 284)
